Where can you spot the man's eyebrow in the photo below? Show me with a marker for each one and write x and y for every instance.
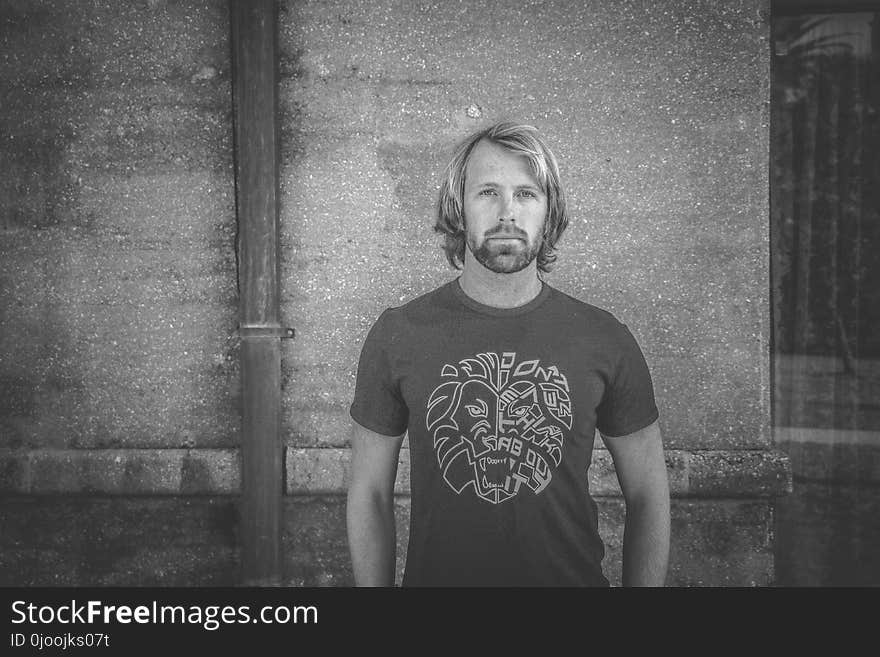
(490, 183)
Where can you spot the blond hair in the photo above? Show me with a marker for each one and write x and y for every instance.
(520, 139)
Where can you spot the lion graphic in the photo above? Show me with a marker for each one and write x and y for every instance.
(498, 424)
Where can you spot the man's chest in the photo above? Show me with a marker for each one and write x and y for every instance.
(499, 417)
(503, 385)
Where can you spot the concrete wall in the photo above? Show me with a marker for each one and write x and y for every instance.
(119, 380)
(658, 113)
(118, 362)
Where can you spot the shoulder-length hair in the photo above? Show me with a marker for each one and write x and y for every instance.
(523, 140)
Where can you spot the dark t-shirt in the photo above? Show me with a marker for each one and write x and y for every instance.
(501, 408)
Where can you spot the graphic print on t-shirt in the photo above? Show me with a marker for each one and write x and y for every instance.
(498, 425)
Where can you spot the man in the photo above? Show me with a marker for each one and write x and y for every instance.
(500, 382)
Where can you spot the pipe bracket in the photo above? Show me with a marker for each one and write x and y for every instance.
(266, 332)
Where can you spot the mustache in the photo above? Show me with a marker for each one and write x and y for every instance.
(503, 231)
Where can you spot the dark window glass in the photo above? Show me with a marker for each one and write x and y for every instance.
(825, 276)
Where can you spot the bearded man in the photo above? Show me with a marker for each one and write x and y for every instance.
(501, 383)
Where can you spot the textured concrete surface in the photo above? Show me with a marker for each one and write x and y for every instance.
(738, 473)
(121, 472)
(96, 541)
(658, 115)
(117, 263)
(315, 550)
(723, 543)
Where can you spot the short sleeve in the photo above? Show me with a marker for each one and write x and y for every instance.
(378, 404)
(628, 404)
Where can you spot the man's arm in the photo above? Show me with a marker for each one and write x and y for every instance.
(641, 471)
(372, 536)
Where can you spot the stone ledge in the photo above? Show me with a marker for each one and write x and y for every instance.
(315, 471)
(121, 471)
(705, 474)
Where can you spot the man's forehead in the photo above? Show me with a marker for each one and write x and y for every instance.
(489, 158)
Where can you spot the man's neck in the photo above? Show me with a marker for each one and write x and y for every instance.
(499, 290)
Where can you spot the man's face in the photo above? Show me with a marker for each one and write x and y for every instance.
(504, 209)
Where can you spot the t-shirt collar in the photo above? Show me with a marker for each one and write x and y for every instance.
(462, 297)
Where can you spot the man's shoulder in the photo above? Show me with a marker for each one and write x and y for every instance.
(438, 298)
(582, 310)
(596, 325)
(420, 308)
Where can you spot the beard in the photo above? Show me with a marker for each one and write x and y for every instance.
(504, 257)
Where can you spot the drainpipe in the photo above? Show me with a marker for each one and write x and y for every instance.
(254, 90)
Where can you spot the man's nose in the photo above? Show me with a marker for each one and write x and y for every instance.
(506, 211)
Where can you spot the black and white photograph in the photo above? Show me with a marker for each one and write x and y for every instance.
(331, 294)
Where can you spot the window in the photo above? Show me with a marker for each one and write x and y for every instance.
(825, 277)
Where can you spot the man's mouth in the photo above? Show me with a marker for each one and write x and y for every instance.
(504, 233)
